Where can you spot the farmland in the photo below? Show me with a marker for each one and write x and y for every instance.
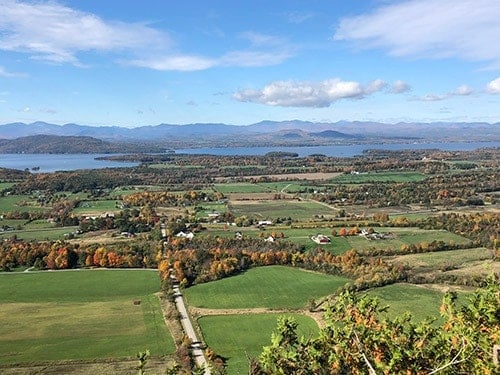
(238, 337)
(80, 315)
(267, 287)
(262, 290)
(421, 302)
(404, 235)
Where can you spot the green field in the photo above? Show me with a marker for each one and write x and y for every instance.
(420, 301)
(283, 186)
(240, 188)
(96, 206)
(379, 177)
(80, 315)
(237, 337)
(269, 287)
(405, 236)
(40, 234)
(297, 210)
(415, 235)
(19, 203)
(203, 210)
(453, 259)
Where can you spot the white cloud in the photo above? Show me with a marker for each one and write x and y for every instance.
(259, 39)
(265, 50)
(5, 73)
(466, 29)
(179, 63)
(192, 63)
(299, 17)
(463, 90)
(53, 32)
(493, 87)
(308, 94)
(254, 58)
(399, 87)
(431, 97)
(375, 86)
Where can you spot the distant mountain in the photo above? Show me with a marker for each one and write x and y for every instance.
(333, 134)
(264, 131)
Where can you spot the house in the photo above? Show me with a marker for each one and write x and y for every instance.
(373, 235)
(321, 239)
(188, 235)
(269, 239)
(265, 222)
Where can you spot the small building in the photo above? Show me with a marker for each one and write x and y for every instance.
(269, 239)
(265, 222)
(188, 235)
(321, 239)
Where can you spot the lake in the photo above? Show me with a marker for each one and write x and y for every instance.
(69, 162)
(58, 162)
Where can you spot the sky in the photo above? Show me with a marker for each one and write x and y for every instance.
(133, 63)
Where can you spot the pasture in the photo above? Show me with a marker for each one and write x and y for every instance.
(272, 287)
(237, 337)
(297, 210)
(39, 234)
(19, 203)
(79, 314)
(205, 209)
(404, 236)
(96, 207)
(421, 301)
(242, 187)
(445, 260)
(371, 177)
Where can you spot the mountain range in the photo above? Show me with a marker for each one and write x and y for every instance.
(265, 132)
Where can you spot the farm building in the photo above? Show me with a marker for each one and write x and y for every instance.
(321, 239)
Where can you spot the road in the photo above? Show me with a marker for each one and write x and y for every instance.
(189, 330)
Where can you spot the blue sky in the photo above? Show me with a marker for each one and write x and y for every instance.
(132, 63)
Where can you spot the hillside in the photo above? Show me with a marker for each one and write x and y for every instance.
(53, 144)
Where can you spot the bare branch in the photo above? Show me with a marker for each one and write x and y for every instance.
(371, 370)
(453, 361)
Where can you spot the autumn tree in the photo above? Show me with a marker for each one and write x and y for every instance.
(359, 339)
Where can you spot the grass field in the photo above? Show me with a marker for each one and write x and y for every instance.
(268, 287)
(97, 206)
(297, 210)
(240, 188)
(454, 259)
(405, 236)
(420, 301)
(203, 210)
(379, 177)
(40, 234)
(237, 337)
(283, 186)
(80, 315)
(19, 203)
